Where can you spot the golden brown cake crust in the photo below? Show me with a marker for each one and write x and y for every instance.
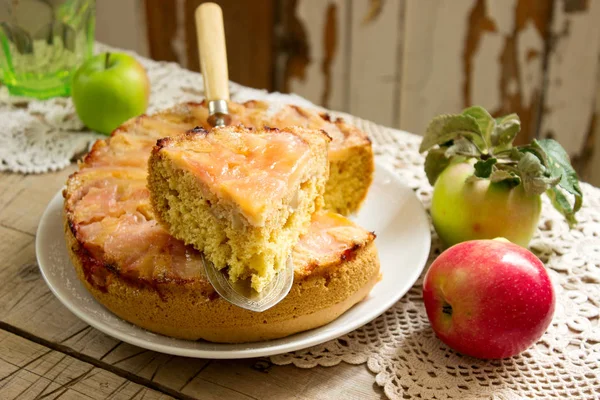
(190, 134)
(192, 310)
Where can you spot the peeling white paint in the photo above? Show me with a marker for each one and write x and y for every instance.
(485, 81)
(432, 78)
(503, 14)
(512, 87)
(178, 41)
(313, 15)
(374, 62)
(529, 40)
(572, 77)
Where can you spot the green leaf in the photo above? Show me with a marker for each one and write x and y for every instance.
(533, 175)
(558, 164)
(462, 147)
(516, 154)
(506, 130)
(485, 121)
(500, 175)
(562, 204)
(435, 163)
(483, 169)
(448, 127)
(531, 165)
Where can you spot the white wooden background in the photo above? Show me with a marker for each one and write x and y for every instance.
(401, 62)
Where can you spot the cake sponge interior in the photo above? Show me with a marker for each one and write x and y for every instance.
(240, 196)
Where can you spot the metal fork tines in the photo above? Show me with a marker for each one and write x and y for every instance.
(240, 293)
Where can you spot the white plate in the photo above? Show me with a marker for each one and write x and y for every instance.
(391, 210)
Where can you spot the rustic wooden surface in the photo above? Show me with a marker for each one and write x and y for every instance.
(401, 62)
(45, 351)
(31, 370)
(249, 35)
(473, 52)
(569, 111)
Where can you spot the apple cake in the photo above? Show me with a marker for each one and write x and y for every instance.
(239, 195)
(350, 153)
(350, 156)
(135, 268)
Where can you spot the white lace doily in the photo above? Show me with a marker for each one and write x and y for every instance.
(399, 347)
(411, 363)
(38, 136)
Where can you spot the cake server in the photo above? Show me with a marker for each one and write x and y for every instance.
(213, 64)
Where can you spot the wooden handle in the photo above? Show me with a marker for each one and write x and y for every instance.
(212, 51)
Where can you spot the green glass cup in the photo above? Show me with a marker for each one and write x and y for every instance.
(43, 42)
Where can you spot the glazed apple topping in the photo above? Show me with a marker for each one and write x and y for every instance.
(330, 235)
(114, 222)
(251, 170)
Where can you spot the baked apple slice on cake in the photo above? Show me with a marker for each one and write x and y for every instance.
(241, 196)
(351, 163)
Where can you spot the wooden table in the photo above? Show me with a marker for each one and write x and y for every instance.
(47, 352)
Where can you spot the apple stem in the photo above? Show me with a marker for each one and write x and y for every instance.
(106, 60)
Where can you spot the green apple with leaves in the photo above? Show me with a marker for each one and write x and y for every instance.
(484, 187)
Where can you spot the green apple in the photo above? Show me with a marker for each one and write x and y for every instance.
(463, 209)
(109, 89)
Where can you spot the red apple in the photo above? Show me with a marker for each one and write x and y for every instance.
(488, 298)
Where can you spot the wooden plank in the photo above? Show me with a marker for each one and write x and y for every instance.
(27, 304)
(433, 42)
(344, 381)
(376, 29)
(467, 52)
(161, 23)
(122, 24)
(317, 51)
(8, 184)
(174, 372)
(29, 370)
(25, 300)
(592, 168)
(249, 33)
(569, 107)
(24, 198)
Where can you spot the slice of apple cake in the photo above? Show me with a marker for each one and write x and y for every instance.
(241, 196)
